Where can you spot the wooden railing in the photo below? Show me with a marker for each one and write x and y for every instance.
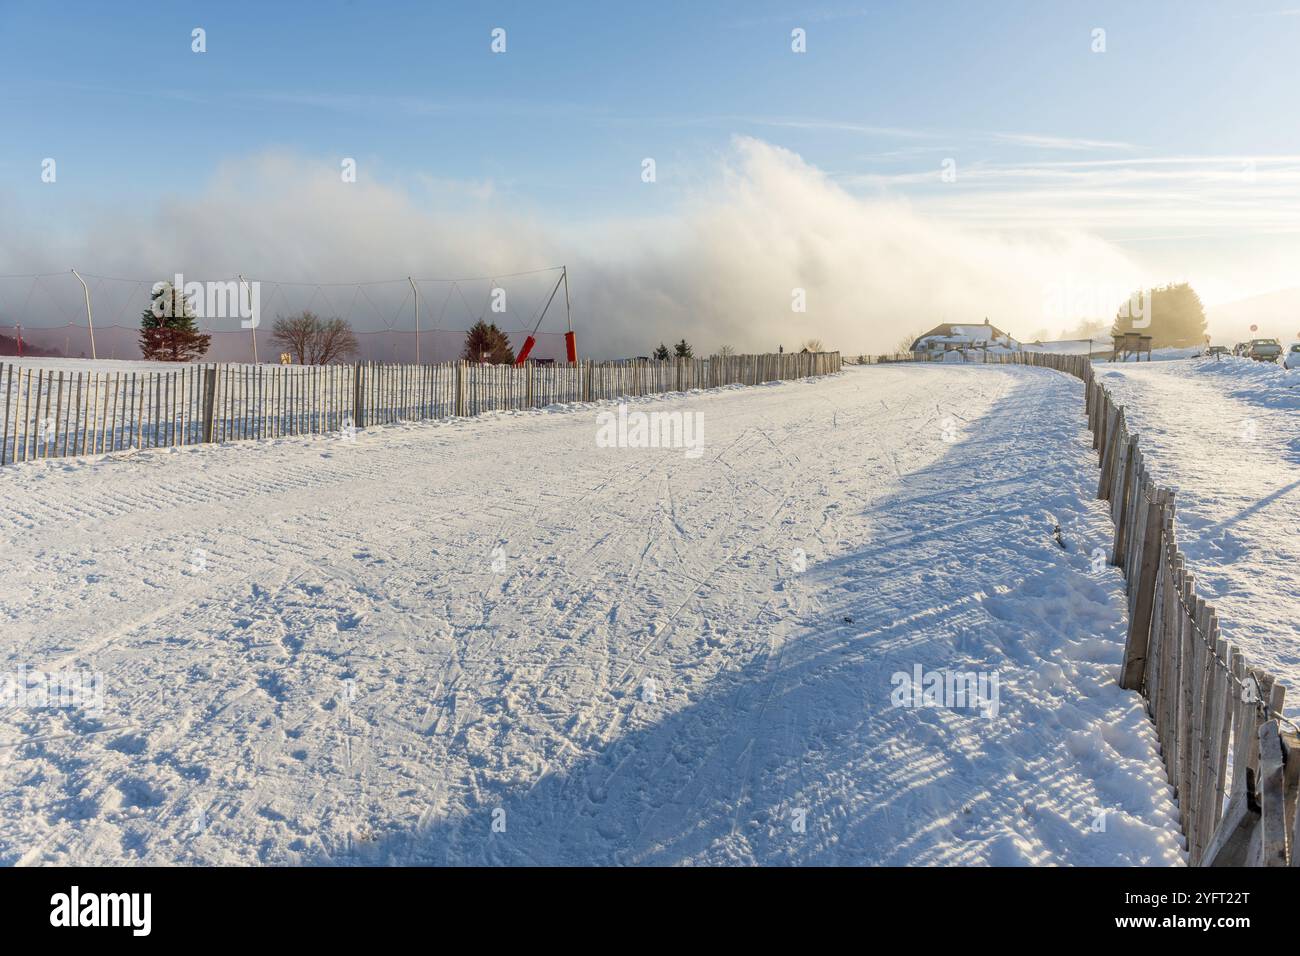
(1213, 712)
(1215, 715)
(55, 413)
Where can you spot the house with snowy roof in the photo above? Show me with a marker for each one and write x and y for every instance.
(960, 337)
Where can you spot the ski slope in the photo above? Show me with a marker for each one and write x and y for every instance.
(1226, 435)
(490, 641)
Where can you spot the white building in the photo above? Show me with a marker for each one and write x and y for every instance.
(961, 338)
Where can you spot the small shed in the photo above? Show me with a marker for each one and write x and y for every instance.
(1131, 343)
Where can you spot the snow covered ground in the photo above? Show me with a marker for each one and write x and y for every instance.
(1072, 346)
(1226, 434)
(491, 641)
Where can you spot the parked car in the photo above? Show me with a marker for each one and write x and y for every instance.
(1240, 348)
(1265, 350)
(1292, 359)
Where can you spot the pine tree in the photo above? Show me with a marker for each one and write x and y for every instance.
(167, 329)
(662, 354)
(1173, 316)
(683, 350)
(487, 343)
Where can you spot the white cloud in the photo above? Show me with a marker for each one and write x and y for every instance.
(1041, 141)
(720, 269)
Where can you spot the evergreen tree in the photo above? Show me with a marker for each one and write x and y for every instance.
(167, 329)
(1175, 314)
(683, 350)
(487, 343)
(662, 354)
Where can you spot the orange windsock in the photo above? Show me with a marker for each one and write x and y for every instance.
(523, 352)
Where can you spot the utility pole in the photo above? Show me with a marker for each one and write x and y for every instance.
(570, 343)
(568, 313)
(416, 290)
(89, 320)
(252, 319)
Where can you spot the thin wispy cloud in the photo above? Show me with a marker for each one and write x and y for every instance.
(1189, 196)
(350, 102)
(1288, 12)
(1040, 141)
(730, 121)
(1034, 140)
(795, 17)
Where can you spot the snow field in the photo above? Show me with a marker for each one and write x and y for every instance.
(491, 641)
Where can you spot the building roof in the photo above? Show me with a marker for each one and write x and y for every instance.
(962, 333)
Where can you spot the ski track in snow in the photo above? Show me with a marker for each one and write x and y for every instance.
(1226, 435)
(345, 678)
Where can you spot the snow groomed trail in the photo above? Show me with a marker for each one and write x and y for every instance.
(492, 642)
(1226, 435)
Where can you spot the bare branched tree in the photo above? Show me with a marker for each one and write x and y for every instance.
(905, 343)
(336, 341)
(294, 334)
(726, 351)
(813, 345)
(313, 340)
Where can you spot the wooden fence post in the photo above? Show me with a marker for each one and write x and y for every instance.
(1121, 498)
(1230, 842)
(1139, 625)
(209, 400)
(4, 432)
(1114, 425)
(1212, 758)
(358, 397)
(1272, 797)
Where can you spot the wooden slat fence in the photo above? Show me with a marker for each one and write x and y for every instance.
(1215, 714)
(1231, 756)
(56, 413)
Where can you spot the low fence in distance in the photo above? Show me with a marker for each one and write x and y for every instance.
(1213, 712)
(974, 356)
(54, 413)
(954, 356)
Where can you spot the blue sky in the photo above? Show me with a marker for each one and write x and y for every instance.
(1178, 143)
(585, 90)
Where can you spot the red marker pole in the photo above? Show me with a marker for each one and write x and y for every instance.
(523, 352)
(532, 336)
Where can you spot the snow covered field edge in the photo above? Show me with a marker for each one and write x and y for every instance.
(492, 641)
